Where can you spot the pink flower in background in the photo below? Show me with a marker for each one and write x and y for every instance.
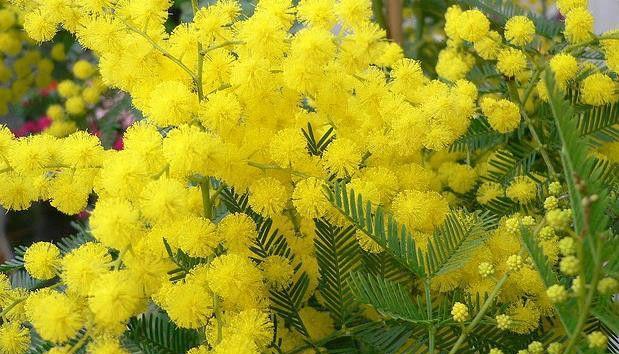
(118, 143)
(49, 89)
(33, 126)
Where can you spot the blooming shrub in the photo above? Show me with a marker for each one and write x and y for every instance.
(314, 190)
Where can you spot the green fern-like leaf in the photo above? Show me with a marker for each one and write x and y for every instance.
(455, 241)
(17, 262)
(389, 298)
(480, 135)
(269, 243)
(338, 254)
(287, 302)
(69, 243)
(578, 167)
(600, 122)
(391, 337)
(155, 334)
(392, 237)
(317, 146)
(383, 265)
(513, 160)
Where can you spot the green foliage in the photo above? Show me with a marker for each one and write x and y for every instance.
(480, 135)
(287, 302)
(455, 241)
(338, 255)
(389, 298)
(317, 147)
(513, 160)
(155, 334)
(392, 237)
(17, 262)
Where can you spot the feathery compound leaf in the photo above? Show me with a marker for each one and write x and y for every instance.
(153, 333)
(600, 121)
(389, 298)
(287, 302)
(454, 242)
(17, 262)
(317, 147)
(69, 243)
(269, 243)
(390, 336)
(578, 165)
(515, 159)
(337, 252)
(499, 11)
(383, 265)
(480, 135)
(396, 240)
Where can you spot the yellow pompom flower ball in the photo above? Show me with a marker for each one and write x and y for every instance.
(253, 324)
(495, 351)
(55, 316)
(564, 66)
(113, 298)
(608, 285)
(514, 263)
(55, 112)
(422, 211)
(116, 223)
(7, 19)
(511, 62)
(106, 346)
(42, 260)
(237, 280)
(68, 88)
(519, 30)
(84, 265)
(309, 199)
(39, 27)
(171, 103)
(342, 157)
(91, 95)
(75, 105)
(459, 312)
(83, 69)
(14, 339)
(565, 6)
(238, 231)
(187, 303)
(597, 340)
(503, 115)
(277, 271)
(268, 196)
(488, 47)
(598, 89)
(488, 191)
(578, 25)
(288, 147)
(503, 321)
(569, 265)
(522, 189)
(319, 324)
(58, 52)
(556, 293)
(473, 25)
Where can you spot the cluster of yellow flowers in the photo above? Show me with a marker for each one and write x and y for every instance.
(22, 64)
(240, 104)
(77, 97)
